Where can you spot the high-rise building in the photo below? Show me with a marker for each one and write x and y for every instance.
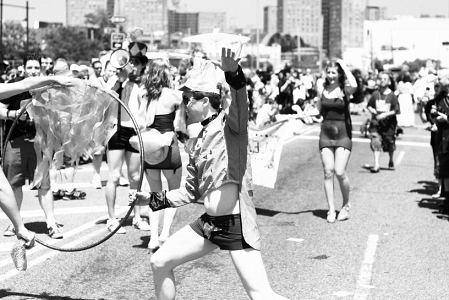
(76, 10)
(208, 21)
(301, 18)
(184, 22)
(150, 15)
(270, 16)
(375, 13)
(342, 25)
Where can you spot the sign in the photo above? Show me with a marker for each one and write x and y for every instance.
(117, 39)
(117, 19)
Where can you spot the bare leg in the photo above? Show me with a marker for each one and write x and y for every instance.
(46, 201)
(328, 161)
(115, 162)
(183, 246)
(341, 161)
(249, 265)
(155, 182)
(9, 205)
(174, 182)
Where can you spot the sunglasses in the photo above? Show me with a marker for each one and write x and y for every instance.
(191, 96)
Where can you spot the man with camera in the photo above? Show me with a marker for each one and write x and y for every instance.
(20, 159)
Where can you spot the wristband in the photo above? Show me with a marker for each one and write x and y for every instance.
(7, 114)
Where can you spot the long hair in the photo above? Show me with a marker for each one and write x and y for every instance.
(341, 74)
(158, 78)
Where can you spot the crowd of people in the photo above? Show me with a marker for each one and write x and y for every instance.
(206, 109)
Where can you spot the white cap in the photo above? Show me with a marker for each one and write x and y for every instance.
(74, 67)
(202, 77)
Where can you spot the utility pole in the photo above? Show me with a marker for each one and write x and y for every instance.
(257, 35)
(27, 30)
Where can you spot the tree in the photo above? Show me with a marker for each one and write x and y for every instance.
(75, 43)
(71, 43)
(14, 41)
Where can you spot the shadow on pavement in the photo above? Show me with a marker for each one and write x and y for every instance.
(321, 213)
(6, 293)
(429, 188)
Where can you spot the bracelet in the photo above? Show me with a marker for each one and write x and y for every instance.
(7, 114)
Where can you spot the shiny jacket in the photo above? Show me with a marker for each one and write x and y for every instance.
(220, 155)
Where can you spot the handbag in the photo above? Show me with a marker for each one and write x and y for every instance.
(156, 145)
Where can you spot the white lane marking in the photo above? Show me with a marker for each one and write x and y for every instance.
(342, 294)
(79, 185)
(62, 211)
(42, 258)
(6, 247)
(401, 143)
(364, 281)
(67, 235)
(399, 159)
(295, 240)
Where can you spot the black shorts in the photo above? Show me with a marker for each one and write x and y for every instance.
(120, 140)
(223, 231)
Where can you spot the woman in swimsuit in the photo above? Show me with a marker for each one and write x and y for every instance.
(335, 138)
(160, 105)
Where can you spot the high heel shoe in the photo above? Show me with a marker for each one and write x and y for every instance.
(331, 216)
(344, 213)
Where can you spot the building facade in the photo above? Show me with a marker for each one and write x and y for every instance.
(77, 9)
(343, 22)
(301, 18)
(375, 13)
(208, 21)
(270, 16)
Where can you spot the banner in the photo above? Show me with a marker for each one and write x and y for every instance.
(266, 146)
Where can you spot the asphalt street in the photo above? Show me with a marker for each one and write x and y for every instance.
(394, 246)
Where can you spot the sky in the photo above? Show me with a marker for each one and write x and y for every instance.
(240, 12)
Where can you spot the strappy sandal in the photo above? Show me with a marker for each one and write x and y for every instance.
(75, 195)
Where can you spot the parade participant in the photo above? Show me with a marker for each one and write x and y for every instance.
(8, 203)
(20, 159)
(219, 175)
(109, 80)
(440, 111)
(335, 141)
(383, 106)
(119, 149)
(159, 104)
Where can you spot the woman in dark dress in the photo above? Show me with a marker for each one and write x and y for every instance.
(335, 138)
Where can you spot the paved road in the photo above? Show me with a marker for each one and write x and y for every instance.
(393, 247)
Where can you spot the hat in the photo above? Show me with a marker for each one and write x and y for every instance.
(138, 50)
(203, 77)
(74, 67)
(443, 73)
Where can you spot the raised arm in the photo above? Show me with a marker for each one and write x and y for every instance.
(351, 79)
(10, 89)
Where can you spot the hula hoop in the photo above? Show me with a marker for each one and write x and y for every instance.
(139, 184)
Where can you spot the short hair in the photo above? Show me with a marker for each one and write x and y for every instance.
(214, 98)
(97, 62)
(33, 56)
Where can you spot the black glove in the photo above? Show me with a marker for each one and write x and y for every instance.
(158, 201)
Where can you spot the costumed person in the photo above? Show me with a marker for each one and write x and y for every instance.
(440, 111)
(383, 106)
(8, 203)
(219, 175)
(335, 141)
(159, 106)
(20, 159)
(119, 149)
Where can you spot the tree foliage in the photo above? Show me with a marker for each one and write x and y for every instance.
(79, 43)
(14, 41)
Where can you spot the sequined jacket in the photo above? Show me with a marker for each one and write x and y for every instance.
(220, 155)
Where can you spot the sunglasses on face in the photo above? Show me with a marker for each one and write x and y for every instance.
(190, 97)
